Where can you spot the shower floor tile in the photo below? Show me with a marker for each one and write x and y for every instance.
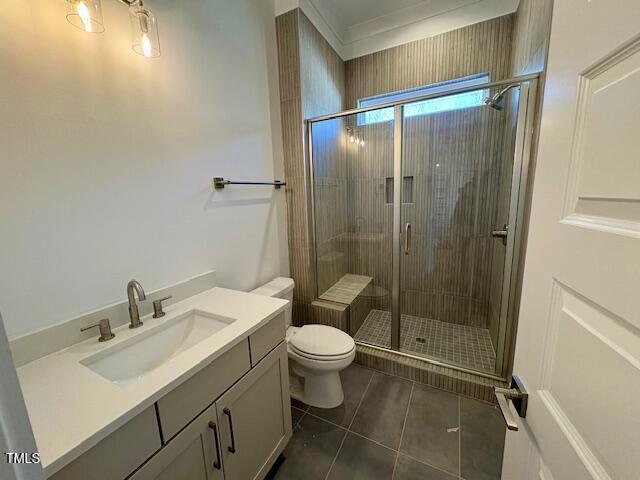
(461, 345)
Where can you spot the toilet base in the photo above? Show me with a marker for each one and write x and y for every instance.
(323, 391)
(318, 384)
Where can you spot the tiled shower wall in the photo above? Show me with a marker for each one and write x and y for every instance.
(452, 211)
(451, 159)
(354, 235)
(532, 26)
(311, 83)
(330, 191)
(483, 47)
(370, 217)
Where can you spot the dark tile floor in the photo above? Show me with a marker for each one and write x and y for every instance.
(391, 428)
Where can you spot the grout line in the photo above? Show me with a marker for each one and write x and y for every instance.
(304, 412)
(326, 421)
(361, 400)
(348, 428)
(440, 469)
(404, 424)
(344, 437)
(373, 441)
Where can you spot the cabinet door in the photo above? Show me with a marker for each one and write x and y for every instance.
(255, 418)
(119, 454)
(193, 454)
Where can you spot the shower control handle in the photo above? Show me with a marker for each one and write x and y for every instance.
(407, 238)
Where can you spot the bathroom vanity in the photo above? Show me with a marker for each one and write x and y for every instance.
(202, 393)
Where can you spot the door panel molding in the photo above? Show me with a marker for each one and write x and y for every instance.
(588, 353)
(603, 192)
(583, 454)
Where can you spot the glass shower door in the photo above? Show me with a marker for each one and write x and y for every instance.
(456, 177)
(352, 164)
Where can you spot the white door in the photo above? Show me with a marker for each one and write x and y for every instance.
(15, 429)
(578, 345)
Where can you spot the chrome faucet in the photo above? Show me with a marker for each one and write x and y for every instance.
(134, 315)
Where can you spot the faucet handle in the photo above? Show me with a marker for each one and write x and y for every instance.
(105, 330)
(157, 307)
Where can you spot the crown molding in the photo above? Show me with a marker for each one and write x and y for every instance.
(423, 20)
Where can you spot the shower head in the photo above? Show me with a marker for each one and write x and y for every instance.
(497, 101)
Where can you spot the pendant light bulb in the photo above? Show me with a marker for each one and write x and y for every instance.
(85, 15)
(362, 143)
(146, 45)
(144, 32)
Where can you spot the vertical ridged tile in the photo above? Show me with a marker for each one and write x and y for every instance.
(483, 47)
(311, 83)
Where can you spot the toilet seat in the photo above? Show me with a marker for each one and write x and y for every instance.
(321, 343)
(320, 358)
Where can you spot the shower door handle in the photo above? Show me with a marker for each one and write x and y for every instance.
(504, 233)
(407, 238)
(501, 233)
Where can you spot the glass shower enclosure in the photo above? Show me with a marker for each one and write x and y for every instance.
(417, 213)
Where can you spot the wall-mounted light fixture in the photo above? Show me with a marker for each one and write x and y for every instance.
(87, 15)
(144, 31)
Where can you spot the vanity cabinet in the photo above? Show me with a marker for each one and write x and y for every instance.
(229, 421)
(238, 437)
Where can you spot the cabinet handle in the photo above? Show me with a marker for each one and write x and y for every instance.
(214, 427)
(232, 448)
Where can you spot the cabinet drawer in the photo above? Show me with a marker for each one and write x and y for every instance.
(267, 338)
(185, 402)
(116, 456)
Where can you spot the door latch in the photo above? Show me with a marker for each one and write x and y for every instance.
(518, 396)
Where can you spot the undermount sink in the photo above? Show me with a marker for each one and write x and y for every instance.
(125, 363)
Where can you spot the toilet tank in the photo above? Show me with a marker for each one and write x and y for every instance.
(279, 287)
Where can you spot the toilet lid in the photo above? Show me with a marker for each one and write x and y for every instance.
(322, 340)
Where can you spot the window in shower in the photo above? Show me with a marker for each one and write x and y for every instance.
(444, 104)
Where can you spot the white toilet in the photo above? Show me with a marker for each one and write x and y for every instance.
(317, 353)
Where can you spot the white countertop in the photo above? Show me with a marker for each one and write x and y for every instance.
(71, 408)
